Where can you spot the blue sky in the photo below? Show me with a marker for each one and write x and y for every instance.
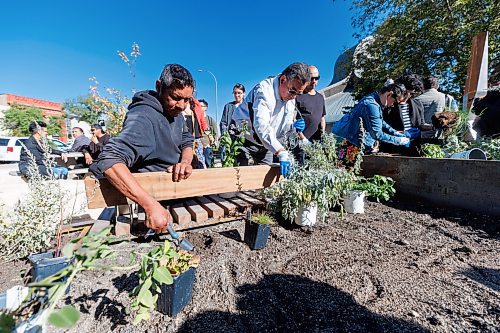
(51, 48)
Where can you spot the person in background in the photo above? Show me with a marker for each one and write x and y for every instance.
(311, 108)
(210, 136)
(39, 149)
(97, 142)
(269, 111)
(369, 112)
(196, 124)
(432, 100)
(227, 113)
(80, 140)
(407, 117)
(154, 138)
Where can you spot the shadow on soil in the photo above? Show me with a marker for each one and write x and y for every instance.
(107, 307)
(488, 277)
(289, 303)
(486, 223)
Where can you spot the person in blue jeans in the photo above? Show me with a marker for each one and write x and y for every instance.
(369, 112)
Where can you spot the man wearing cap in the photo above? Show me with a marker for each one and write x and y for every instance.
(154, 138)
(269, 111)
(97, 142)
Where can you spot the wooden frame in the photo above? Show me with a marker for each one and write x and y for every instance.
(202, 182)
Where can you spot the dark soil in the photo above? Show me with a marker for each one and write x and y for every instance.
(400, 267)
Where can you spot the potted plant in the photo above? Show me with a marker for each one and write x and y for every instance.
(378, 187)
(36, 304)
(311, 190)
(257, 229)
(45, 264)
(166, 279)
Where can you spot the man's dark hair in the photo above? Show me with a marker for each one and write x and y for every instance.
(297, 71)
(397, 89)
(174, 76)
(411, 82)
(35, 125)
(78, 128)
(430, 82)
(239, 86)
(203, 101)
(96, 126)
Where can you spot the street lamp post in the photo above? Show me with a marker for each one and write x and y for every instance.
(216, 97)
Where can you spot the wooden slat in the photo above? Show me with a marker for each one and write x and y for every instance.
(202, 182)
(180, 214)
(229, 208)
(474, 68)
(214, 210)
(198, 213)
(242, 204)
(255, 202)
(207, 223)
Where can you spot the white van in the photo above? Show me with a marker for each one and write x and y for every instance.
(10, 147)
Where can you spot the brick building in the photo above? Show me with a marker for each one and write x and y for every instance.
(48, 109)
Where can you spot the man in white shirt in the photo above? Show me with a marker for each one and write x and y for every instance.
(269, 111)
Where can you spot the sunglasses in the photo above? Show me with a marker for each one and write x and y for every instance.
(315, 78)
(292, 91)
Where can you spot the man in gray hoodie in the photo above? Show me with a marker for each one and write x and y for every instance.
(153, 138)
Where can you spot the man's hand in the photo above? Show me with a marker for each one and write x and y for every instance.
(88, 159)
(284, 163)
(94, 139)
(158, 218)
(64, 157)
(180, 171)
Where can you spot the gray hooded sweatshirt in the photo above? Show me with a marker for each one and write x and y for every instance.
(149, 141)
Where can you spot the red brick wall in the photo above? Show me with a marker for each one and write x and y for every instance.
(48, 109)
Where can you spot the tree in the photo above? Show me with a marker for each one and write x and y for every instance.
(427, 37)
(18, 118)
(82, 108)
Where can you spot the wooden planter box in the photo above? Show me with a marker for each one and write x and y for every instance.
(468, 184)
(160, 186)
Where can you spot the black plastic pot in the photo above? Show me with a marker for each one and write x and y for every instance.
(256, 234)
(46, 264)
(174, 297)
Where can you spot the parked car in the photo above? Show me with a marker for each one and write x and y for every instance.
(10, 147)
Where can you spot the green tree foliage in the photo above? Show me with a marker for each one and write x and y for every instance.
(18, 118)
(82, 108)
(427, 37)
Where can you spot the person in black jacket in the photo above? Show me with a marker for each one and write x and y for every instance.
(97, 142)
(153, 138)
(407, 116)
(34, 145)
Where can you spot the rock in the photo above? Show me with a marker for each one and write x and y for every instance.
(403, 242)
(414, 314)
(435, 320)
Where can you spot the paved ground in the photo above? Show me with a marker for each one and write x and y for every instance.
(12, 188)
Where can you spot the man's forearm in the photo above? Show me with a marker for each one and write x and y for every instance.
(187, 155)
(323, 124)
(121, 178)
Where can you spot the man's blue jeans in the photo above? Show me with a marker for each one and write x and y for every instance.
(60, 172)
(209, 156)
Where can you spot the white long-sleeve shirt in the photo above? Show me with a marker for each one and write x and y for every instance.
(273, 117)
